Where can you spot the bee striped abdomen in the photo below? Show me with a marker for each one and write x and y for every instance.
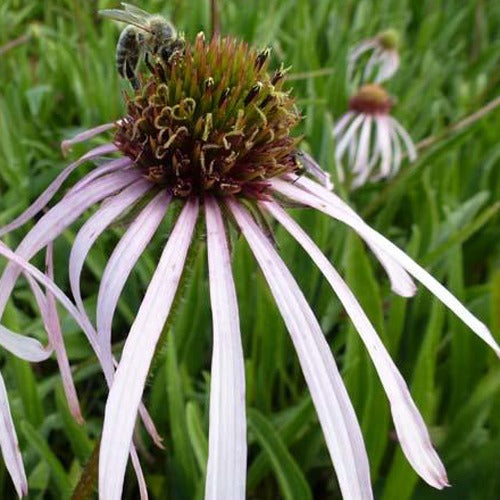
(127, 52)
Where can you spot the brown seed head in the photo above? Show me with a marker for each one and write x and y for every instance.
(371, 99)
(212, 119)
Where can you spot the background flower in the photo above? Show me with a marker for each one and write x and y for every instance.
(382, 61)
(369, 143)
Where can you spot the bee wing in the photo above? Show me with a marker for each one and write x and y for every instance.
(125, 17)
(135, 10)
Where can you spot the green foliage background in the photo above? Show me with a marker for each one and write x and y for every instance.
(443, 210)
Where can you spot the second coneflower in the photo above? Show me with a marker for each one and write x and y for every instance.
(369, 142)
(211, 130)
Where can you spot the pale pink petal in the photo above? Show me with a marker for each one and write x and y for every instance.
(411, 429)
(100, 171)
(53, 223)
(372, 63)
(23, 347)
(88, 134)
(81, 320)
(227, 444)
(335, 412)
(388, 65)
(47, 195)
(384, 142)
(28, 268)
(9, 445)
(122, 261)
(361, 162)
(128, 385)
(93, 228)
(315, 170)
(401, 282)
(141, 480)
(329, 204)
(344, 139)
(342, 123)
(357, 52)
(396, 150)
(412, 152)
(56, 339)
(362, 47)
(150, 427)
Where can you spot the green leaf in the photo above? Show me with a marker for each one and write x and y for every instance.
(39, 443)
(197, 434)
(81, 444)
(183, 455)
(291, 426)
(292, 483)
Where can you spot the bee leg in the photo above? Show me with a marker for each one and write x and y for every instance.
(131, 76)
(148, 63)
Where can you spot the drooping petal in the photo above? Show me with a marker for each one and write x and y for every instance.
(335, 411)
(361, 162)
(412, 432)
(316, 171)
(345, 138)
(23, 347)
(389, 65)
(100, 171)
(141, 480)
(47, 195)
(342, 123)
(227, 446)
(373, 62)
(384, 141)
(122, 261)
(128, 385)
(85, 325)
(53, 223)
(93, 228)
(56, 339)
(356, 53)
(9, 445)
(30, 269)
(329, 203)
(86, 135)
(412, 151)
(401, 282)
(396, 146)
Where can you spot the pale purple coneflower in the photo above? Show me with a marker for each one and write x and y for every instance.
(369, 142)
(383, 59)
(211, 131)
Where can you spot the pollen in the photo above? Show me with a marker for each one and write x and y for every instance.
(212, 118)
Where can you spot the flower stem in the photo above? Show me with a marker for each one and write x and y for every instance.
(215, 16)
(88, 480)
(460, 125)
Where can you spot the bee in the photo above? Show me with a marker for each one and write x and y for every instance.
(146, 35)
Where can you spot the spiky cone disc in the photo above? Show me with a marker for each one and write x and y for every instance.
(212, 119)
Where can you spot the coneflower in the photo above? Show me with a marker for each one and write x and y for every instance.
(369, 142)
(383, 59)
(211, 131)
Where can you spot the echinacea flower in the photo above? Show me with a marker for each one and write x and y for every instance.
(383, 60)
(209, 131)
(369, 142)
